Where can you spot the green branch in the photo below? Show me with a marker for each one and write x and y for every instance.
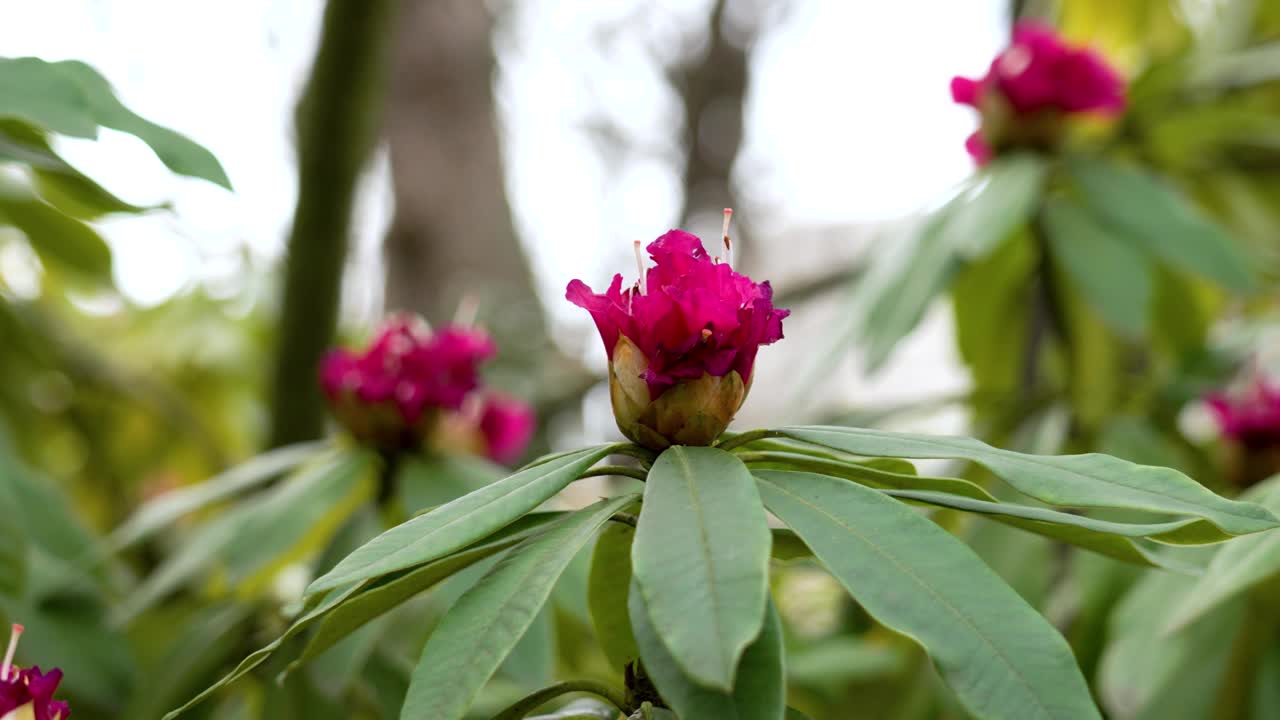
(338, 119)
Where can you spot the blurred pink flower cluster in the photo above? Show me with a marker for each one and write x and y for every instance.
(1031, 85)
(1251, 418)
(410, 380)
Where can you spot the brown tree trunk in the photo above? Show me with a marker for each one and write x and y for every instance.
(714, 89)
(452, 235)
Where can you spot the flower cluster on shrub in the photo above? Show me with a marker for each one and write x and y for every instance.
(413, 387)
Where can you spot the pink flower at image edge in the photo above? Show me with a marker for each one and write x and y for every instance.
(1039, 72)
(1251, 419)
(20, 686)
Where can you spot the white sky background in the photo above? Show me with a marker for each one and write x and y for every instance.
(849, 121)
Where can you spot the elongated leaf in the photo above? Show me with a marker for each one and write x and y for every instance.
(58, 239)
(382, 597)
(30, 89)
(1113, 276)
(472, 639)
(199, 648)
(866, 474)
(298, 517)
(1236, 567)
(256, 535)
(1112, 539)
(430, 481)
(1146, 673)
(1086, 481)
(607, 589)
(461, 522)
(701, 558)
(13, 551)
(172, 505)
(1141, 209)
(259, 656)
(990, 206)
(759, 686)
(580, 710)
(1001, 657)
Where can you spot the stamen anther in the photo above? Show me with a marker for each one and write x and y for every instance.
(14, 634)
(468, 309)
(644, 282)
(724, 232)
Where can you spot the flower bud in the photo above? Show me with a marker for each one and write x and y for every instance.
(682, 342)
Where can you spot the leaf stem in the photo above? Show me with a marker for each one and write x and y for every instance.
(606, 470)
(644, 455)
(537, 699)
(749, 436)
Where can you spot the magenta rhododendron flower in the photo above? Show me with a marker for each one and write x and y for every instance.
(507, 425)
(1251, 419)
(1031, 85)
(412, 387)
(28, 688)
(410, 367)
(682, 341)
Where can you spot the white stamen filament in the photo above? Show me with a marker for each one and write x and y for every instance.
(14, 634)
(724, 232)
(644, 282)
(468, 309)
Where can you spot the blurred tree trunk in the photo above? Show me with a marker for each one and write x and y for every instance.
(452, 234)
(713, 88)
(337, 123)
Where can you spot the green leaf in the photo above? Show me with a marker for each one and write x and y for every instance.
(837, 661)
(200, 647)
(435, 480)
(256, 537)
(32, 90)
(759, 685)
(990, 206)
(989, 303)
(1236, 566)
(297, 517)
(54, 179)
(607, 589)
(1113, 276)
(13, 551)
(1139, 208)
(1148, 674)
(71, 98)
(172, 505)
(1001, 657)
(259, 656)
(382, 596)
(1113, 539)
(461, 522)
(701, 559)
(581, 710)
(481, 628)
(1086, 481)
(57, 238)
(864, 473)
(76, 195)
